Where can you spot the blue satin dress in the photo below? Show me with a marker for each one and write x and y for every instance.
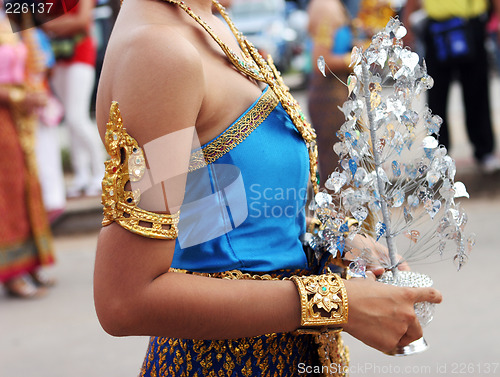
(245, 209)
(255, 179)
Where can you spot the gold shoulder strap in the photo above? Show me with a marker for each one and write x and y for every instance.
(255, 66)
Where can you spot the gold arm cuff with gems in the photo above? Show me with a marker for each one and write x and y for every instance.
(323, 301)
(127, 163)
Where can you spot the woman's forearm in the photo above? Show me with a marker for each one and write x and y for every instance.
(135, 296)
(196, 307)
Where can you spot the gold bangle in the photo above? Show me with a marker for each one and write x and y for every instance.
(323, 300)
(16, 95)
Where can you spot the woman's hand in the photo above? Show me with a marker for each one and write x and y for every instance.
(383, 316)
(374, 252)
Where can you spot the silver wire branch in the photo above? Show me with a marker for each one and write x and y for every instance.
(376, 157)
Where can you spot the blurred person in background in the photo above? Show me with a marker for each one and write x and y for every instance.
(73, 81)
(25, 237)
(454, 39)
(334, 29)
(330, 37)
(48, 148)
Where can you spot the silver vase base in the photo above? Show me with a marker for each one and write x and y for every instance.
(417, 346)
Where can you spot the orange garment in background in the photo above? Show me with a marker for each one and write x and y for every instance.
(25, 236)
(373, 16)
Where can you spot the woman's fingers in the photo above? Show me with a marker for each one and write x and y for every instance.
(427, 294)
(413, 333)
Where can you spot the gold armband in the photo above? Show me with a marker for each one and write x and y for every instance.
(127, 164)
(323, 301)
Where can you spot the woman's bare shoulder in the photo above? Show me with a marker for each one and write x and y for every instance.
(156, 76)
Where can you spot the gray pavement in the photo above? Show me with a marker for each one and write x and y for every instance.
(59, 335)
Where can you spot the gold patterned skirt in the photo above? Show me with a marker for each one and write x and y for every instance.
(270, 355)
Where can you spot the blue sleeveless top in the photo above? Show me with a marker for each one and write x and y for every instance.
(244, 206)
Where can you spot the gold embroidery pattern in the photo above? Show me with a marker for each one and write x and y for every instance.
(238, 132)
(127, 164)
(272, 355)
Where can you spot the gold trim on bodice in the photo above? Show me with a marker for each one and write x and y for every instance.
(236, 133)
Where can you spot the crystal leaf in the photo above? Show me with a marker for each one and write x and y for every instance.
(400, 32)
(471, 241)
(430, 142)
(321, 65)
(407, 215)
(340, 149)
(434, 124)
(356, 55)
(359, 213)
(432, 207)
(409, 59)
(353, 166)
(398, 198)
(323, 199)
(380, 229)
(412, 235)
(413, 200)
(357, 268)
(396, 170)
(446, 191)
(336, 181)
(351, 83)
(340, 244)
(375, 100)
(441, 247)
(360, 177)
(328, 235)
(380, 145)
(381, 174)
(423, 193)
(460, 260)
(432, 177)
(460, 190)
(382, 58)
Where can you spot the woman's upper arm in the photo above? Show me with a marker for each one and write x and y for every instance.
(158, 81)
(159, 91)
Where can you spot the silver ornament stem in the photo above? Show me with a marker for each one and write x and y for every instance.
(377, 160)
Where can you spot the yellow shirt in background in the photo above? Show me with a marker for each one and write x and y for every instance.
(444, 9)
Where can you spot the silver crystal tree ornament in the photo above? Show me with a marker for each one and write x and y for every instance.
(394, 177)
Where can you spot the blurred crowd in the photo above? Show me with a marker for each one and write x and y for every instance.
(49, 72)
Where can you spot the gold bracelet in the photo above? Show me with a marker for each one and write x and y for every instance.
(16, 95)
(323, 300)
